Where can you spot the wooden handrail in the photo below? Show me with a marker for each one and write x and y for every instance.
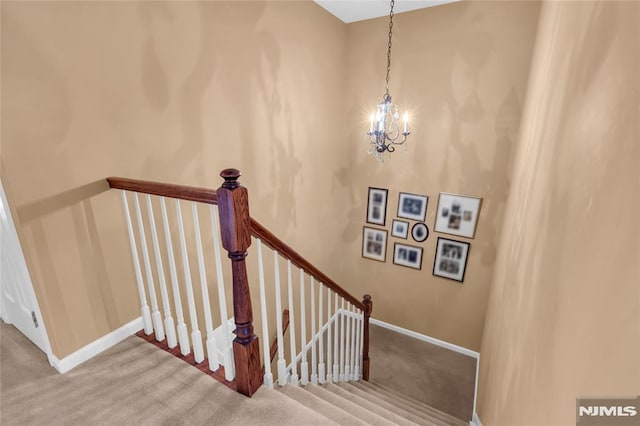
(182, 192)
(275, 243)
(209, 196)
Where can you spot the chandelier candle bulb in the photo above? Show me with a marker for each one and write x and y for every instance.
(371, 127)
(406, 122)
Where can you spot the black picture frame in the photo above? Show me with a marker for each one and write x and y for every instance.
(407, 256)
(419, 232)
(400, 229)
(374, 244)
(451, 259)
(377, 206)
(412, 206)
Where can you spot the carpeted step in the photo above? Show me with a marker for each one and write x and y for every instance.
(371, 406)
(404, 402)
(393, 404)
(360, 412)
(319, 405)
(412, 402)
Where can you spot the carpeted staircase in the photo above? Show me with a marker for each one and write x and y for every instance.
(366, 403)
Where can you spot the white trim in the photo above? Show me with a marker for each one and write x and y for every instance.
(94, 348)
(14, 246)
(476, 420)
(475, 389)
(424, 338)
(443, 344)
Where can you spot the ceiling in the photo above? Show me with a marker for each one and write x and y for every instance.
(358, 10)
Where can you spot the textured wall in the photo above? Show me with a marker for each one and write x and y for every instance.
(460, 70)
(166, 91)
(562, 319)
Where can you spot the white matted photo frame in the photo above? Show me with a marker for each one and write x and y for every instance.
(377, 206)
(451, 259)
(412, 206)
(399, 228)
(406, 255)
(374, 244)
(457, 214)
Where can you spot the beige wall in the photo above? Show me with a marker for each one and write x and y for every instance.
(563, 314)
(460, 71)
(172, 92)
(177, 91)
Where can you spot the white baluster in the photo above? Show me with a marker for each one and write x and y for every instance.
(168, 319)
(304, 366)
(183, 335)
(352, 357)
(292, 327)
(329, 326)
(282, 366)
(212, 347)
(347, 350)
(342, 320)
(314, 363)
(196, 337)
(227, 351)
(336, 334)
(268, 375)
(144, 308)
(321, 373)
(156, 318)
(358, 344)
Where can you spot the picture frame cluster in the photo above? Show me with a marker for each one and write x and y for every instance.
(455, 215)
(411, 207)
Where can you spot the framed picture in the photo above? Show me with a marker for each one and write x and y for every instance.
(409, 256)
(457, 214)
(374, 244)
(377, 206)
(451, 259)
(419, 232)
(399, 228)
(412, 206)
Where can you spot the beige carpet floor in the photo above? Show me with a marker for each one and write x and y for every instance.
(136, 383)
(428, 373)
(144, 384)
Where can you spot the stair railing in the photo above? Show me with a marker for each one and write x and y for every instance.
(338, 322)
(341, 337)
(218, 356)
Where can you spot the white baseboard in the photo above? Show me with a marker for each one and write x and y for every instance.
(428, 339)
(443, 344)
(94, 348)
(476, 420)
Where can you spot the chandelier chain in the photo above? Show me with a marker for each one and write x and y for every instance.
(389, 46)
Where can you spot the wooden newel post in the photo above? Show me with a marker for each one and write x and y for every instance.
(235, 230)
(365, 341)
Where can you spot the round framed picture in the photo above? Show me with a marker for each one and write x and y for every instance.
(420, 232)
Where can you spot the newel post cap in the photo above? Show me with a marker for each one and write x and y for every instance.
(230, 177)
(368, 303)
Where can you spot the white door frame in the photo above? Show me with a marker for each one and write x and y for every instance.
(11, 243)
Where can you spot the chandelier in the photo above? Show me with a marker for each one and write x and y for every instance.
(384, 130)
